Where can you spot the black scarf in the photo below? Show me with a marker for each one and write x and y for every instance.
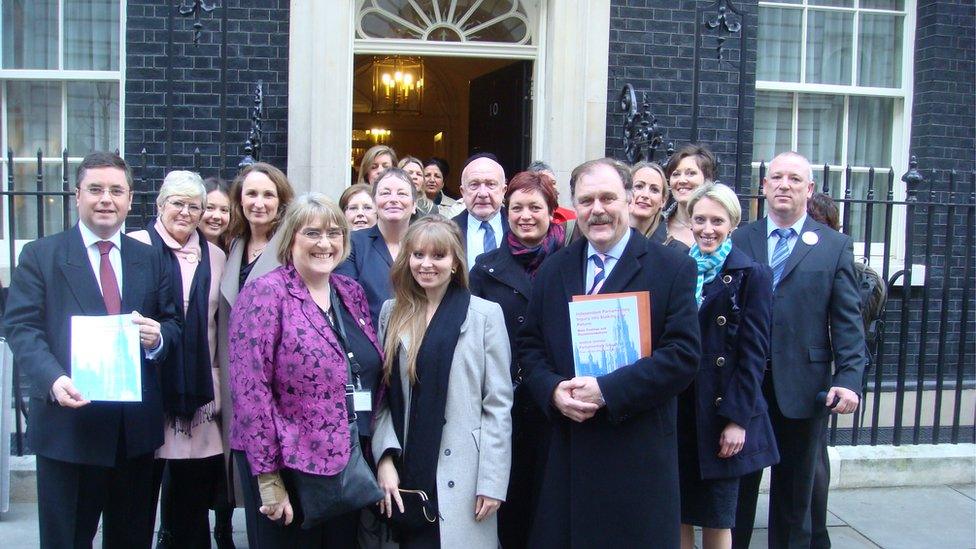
(185, 376)
(418, 462)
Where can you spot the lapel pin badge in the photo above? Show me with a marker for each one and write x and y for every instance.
(810, 238)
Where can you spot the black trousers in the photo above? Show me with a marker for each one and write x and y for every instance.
(189, 490)
(801, 449)
(263, 533)
(71, 497)
(530, 449)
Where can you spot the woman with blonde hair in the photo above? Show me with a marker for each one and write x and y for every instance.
(415, 169)
(443, 429)
(376, 159)
(650, 194)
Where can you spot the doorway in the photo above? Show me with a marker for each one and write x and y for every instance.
(468, 105)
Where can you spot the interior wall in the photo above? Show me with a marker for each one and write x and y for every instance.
(444, 109)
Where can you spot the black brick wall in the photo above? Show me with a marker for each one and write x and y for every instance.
(205, 89)
(652, 47)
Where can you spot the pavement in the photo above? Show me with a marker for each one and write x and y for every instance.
(890, 518)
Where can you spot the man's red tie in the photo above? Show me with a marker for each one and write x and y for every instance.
(110, 284)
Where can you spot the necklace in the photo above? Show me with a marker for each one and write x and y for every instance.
(253, 255)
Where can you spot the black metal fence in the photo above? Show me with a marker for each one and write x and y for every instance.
(925, 364)
(920, 390)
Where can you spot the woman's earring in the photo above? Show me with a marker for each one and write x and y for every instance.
(453, 270)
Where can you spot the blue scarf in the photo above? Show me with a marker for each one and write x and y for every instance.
(709, 265)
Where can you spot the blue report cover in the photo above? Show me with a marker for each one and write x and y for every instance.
(609, 331)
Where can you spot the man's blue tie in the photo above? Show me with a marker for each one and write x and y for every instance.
(599, 272)
(780, 253)
(490, 243)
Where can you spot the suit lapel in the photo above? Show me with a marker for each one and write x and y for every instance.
(574, 268)
(504, 213)
(801, 248)
(133, 277)
(627, 266)
(79, 277)
(758, 241)
(315, 316)
(232, 268)
(510, 273)
(379, 245)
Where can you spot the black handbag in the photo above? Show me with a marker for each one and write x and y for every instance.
(323, 497)
(418, 512)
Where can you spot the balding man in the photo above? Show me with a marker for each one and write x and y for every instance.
(484, 222)
(611, 477)
(816, 323)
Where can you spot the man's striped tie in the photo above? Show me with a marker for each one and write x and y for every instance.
(598, 272)
(780, 253)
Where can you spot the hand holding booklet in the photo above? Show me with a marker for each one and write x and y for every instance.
(106, 359)
(609, 331)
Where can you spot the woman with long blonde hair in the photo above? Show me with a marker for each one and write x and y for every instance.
(443, 428)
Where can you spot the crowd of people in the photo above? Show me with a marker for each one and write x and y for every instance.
(289, 342)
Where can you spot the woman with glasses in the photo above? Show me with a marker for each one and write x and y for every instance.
(443, 430)
(291, 332)
(192, 452)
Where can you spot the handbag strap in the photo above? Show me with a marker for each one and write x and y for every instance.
(352, 365)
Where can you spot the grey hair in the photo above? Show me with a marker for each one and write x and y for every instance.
(308, 208)
(721, 194)
(539, 166)
(182, 183)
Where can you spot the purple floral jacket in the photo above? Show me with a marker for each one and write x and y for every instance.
(288, 375)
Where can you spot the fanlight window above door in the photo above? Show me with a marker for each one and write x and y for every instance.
(505, 21)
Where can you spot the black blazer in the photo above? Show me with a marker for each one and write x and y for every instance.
(612, 480)
(734, 321)
(369, 263)
(816, 317)
(462, 220)
(497, 277)
(53, 282)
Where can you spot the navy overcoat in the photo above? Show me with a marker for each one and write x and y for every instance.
(612, 481)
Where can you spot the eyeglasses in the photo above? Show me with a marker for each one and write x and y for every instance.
(490, 185)
(192, 209)
(316, 234)
(98, 191)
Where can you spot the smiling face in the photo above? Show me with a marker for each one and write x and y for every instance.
(787, 188)
(259, 199)
(648, 194)
(360, 211)
(483, 188)
(685, 179)
(711, 224)
(180, 216)
(317, 250)
(601, 206)
(431, 268)
(529, 216)
(394, 199)
(379, 163)
(433, 181)
(104, 198)
(216, 216)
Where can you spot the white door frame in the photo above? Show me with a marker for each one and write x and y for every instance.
(569, 106)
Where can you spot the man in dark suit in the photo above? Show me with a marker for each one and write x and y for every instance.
(93, 458)
(816, 320)
(484, 222)
(611, 479)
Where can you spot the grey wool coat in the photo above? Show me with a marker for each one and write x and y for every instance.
(229, 290)
(476, 445)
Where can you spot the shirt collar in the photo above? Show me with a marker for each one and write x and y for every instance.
(89, 238)
(616, 251)
(798, 226)
(192, 243)
(474, 223)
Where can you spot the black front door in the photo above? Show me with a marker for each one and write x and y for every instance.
(500, 105)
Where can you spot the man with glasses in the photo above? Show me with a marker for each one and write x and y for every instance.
(611, 479)
(93, 458)
(484, 222)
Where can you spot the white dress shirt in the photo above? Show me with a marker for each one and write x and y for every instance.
(476, 236)
(609, 262)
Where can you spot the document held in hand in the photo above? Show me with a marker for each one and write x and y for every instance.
(609, 331)
(106, 361)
